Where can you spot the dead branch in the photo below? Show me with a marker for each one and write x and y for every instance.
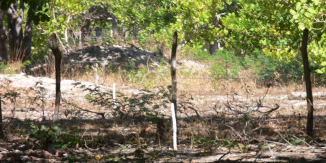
(101, 114)
(223, 156)
(283, 138)
(195, 112)
(269, 111)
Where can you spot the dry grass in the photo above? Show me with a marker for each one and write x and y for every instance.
(222, 122)
(223, 113)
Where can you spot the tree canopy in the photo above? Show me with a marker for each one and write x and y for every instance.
(241, 26)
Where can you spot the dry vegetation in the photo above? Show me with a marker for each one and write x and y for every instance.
(239, 120)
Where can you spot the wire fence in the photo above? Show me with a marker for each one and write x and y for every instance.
(206, 101)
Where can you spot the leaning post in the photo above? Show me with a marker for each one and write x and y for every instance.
(310, 116)
(1, 129)
(174, 74)
(53, 43)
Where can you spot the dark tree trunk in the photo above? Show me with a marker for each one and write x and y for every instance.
(213, 47)
(310, 117)
(85, 28)
(53, 42)
(15, 30)
(115, 26)
(135, 30)
(27, 42)
(20, 42)
(3, 39)
(174, 73)
(217, 44)
(1, 128)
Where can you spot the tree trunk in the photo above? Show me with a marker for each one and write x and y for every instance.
(15, 30)
(173, 73)
(3, 39)
(115, 26)
(213, 47)
(216, 45)
(310, 117)
(27, 42)
(53, 42)
(66, 35)
(135, 30)
(1, 128)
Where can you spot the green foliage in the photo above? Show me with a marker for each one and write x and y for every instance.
(243, 147)
(296, 141)
(42, 132)
(225, 65)
(275, 27)
(206, 141)
(269, 68)
(230, 144)
(142, 105)
(61, 138)
(13, 68)
(195, 51)
(3, 67)
(244, 26)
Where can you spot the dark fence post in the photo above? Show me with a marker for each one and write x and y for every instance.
(174, 73)
(1, 128)
(310, 116)
(53, 42)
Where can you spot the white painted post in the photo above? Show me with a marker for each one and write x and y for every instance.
(114, 102)
(174, 127)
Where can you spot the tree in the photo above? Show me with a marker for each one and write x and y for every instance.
(275, 27)
(201, 21)
(3, 38)
(1, 129)
(20, 41)
(53, 43)
(310, 103)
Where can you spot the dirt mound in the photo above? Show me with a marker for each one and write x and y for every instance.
(115, 55)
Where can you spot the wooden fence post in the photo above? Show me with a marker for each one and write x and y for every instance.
(1, 128)
(174, 74)
(53, 42)
(310, 116)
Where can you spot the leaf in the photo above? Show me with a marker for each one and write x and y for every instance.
(323, 63)
(301, 26)
(293, 12)
(298, 6)
(316, 2)
(319, 71)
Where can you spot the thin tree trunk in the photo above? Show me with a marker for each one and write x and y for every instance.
(53, 42)
(1, 128)
(115, 26)
(27, 42)
(213, 47)
(174, 74)
(15, 30)
(3, 39)
(80, 39)
(66, 35)
(310, 117)
(135, 30)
